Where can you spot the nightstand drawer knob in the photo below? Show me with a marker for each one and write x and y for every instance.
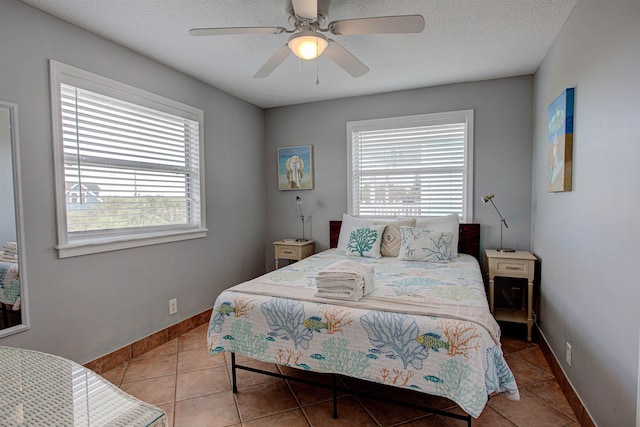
(287, 252)
(510, 267)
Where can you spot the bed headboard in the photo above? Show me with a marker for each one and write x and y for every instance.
(468, 240)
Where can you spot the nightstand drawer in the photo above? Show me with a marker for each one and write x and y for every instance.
(511, 267)
(288, 252)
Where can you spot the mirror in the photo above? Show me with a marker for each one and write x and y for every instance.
(13, 292)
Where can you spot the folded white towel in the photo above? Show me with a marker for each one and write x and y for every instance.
(9, 246)
(348, 271)
(8, 257)
(341, 293)
(345, 279)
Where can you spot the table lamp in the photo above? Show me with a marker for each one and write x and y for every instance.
(299, 202)
(489, 198)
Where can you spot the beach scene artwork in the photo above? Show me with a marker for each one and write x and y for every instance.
(295, 168)
(560, 142)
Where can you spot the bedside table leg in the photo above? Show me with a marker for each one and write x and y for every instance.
(277, 265)
(491, 285)
(529, 310)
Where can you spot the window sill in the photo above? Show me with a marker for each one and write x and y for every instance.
(93, 246)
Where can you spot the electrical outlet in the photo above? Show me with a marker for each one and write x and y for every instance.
(569, 354)
(173, 306)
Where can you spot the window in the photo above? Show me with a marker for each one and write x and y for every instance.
(128, 165)
(411, 166)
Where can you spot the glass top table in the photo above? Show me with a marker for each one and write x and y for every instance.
(40, 389)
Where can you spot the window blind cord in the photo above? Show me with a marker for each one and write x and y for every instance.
(77, 125)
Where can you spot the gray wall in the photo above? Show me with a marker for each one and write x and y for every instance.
(588, 238)
(84, 307)
(502, 151)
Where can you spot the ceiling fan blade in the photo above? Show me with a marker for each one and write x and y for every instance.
(235, 30)
(379, 25)
(345, 59)
(273, 62)
(305, 9)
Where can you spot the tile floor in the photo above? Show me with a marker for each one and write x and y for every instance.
(194, 389)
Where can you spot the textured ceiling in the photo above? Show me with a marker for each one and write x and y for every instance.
(463, 40)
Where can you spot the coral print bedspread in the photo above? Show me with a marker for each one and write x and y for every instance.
(425, 327)
(9, 283)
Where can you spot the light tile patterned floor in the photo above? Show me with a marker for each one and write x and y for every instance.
(194, 389)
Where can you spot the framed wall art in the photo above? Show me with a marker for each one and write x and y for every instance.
(560, 142)
(295, 168)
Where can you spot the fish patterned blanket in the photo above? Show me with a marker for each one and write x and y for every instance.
(453, 356)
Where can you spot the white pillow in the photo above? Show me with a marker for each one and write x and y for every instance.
(449, 223)
(365, 241)
(421, 244)
(349, 223)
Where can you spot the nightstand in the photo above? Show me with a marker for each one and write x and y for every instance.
(519, 265)
(292, 250)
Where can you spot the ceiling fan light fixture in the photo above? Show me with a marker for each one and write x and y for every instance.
(308, 44)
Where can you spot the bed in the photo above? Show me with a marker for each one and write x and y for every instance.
(426, 327)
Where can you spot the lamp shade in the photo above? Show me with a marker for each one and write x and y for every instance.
(487, 197)
(308, 44)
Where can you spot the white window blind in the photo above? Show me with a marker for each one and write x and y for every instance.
(130, 169)
(411, 166)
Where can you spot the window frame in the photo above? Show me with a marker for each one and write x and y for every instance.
(429, 119)
(97, 242)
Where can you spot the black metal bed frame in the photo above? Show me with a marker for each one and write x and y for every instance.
(335, 388)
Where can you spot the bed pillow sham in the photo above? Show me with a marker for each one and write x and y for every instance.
(349, 223)
(365, 241)
(421, 244)
(391, 237)
(448, 223)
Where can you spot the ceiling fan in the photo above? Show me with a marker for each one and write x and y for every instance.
(307, 41)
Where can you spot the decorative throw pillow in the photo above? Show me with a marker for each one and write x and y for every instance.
(349, 223)
(420, 244)
(365, 241)
(391, 237)
(449, 223)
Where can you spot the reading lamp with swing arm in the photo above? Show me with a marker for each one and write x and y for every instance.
(299, 202)
(488, 198)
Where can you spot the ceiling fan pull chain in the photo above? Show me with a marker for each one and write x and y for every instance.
(317, 59)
